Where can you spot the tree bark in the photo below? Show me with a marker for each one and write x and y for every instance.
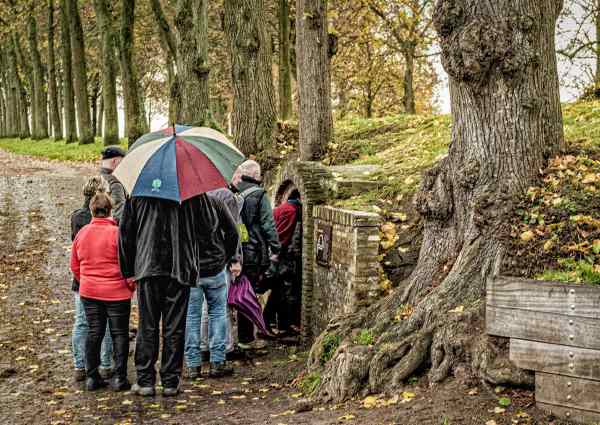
(39, 88)
(100, 118)
(109, 73)
(507, 121)
(169, 46)
(254, 111)
(55, 119)
(408, 84)
(79, 68)
(597, 24)
(67, 75)
(314, 87)
(94, 96)
(27, 88)
(285, 75)
(191, 23)
(131, 98)
(11, 105)
(21, 115)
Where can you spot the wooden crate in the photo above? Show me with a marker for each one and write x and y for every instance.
(554, 330)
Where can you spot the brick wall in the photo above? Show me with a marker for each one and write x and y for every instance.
(351, 279)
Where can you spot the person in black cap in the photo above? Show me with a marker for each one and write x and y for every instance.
(111, 157)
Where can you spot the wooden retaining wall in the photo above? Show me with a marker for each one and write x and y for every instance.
(554, 330)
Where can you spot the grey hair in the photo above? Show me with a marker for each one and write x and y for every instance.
(250, 168)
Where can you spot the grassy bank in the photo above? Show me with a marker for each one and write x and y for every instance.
(55, 150)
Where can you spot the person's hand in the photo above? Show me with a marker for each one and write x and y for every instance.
(235, 269)
(131, 284)
(275, 258)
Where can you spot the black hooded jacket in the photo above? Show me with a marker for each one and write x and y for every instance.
(184, 242)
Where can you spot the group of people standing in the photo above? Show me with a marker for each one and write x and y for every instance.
(181, 259)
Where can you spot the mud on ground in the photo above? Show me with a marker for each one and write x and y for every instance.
(36, 315)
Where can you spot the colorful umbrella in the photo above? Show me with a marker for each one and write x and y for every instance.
(178, 163)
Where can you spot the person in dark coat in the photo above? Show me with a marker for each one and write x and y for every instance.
(111, 157)
(283, 306)
(166, 247)
(80, 218)
(260, 241)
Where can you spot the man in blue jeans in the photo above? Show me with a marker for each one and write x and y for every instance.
(222, 249)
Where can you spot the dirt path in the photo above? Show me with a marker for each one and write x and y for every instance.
(36, 315)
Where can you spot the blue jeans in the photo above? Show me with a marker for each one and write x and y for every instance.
(80, 331)
(214, 288)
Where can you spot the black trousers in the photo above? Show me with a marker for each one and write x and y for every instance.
(245, 326)
(161, 297)
(96, 313)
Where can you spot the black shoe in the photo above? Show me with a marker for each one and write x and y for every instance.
(194, 372)
(219, 370)
(79, 375)
(120, 384)
(93, 384)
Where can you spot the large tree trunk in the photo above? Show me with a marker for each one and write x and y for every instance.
(26, 87)
(168, 44)
(191, 22)
(408, 83)
(100, 117)
(79, 74)
(314, 87)
(55, 119)
(285, 71)
(67, 75)
(254, 110)
(506, 110)
(20, 96)
(94, 96)
(12, 126)
(39, 88)
(109, 73)
(597, 45)
(131, 99)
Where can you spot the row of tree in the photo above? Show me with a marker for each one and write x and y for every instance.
(235, 64)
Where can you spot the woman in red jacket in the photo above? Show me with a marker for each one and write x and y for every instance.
(104, 292)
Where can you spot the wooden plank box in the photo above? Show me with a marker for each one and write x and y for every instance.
(554, 330)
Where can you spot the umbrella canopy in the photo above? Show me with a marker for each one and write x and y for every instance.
(178, 164)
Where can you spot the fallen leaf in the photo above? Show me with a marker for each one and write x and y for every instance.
(492, 422)
(499, 410)
(369, 402)
(473, 391)
(347, 417)
(458, 309)
(297, 395)
(286, 413)
(527, 236)
(127, 402)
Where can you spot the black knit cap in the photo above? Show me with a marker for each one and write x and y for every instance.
(112, 152)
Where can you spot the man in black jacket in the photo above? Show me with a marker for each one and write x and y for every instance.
(167, 247)
(260, 241)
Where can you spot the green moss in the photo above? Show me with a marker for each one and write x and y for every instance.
(582, 271)
(365, 337)
(330, 345)
(310, 383)
(56, 150)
